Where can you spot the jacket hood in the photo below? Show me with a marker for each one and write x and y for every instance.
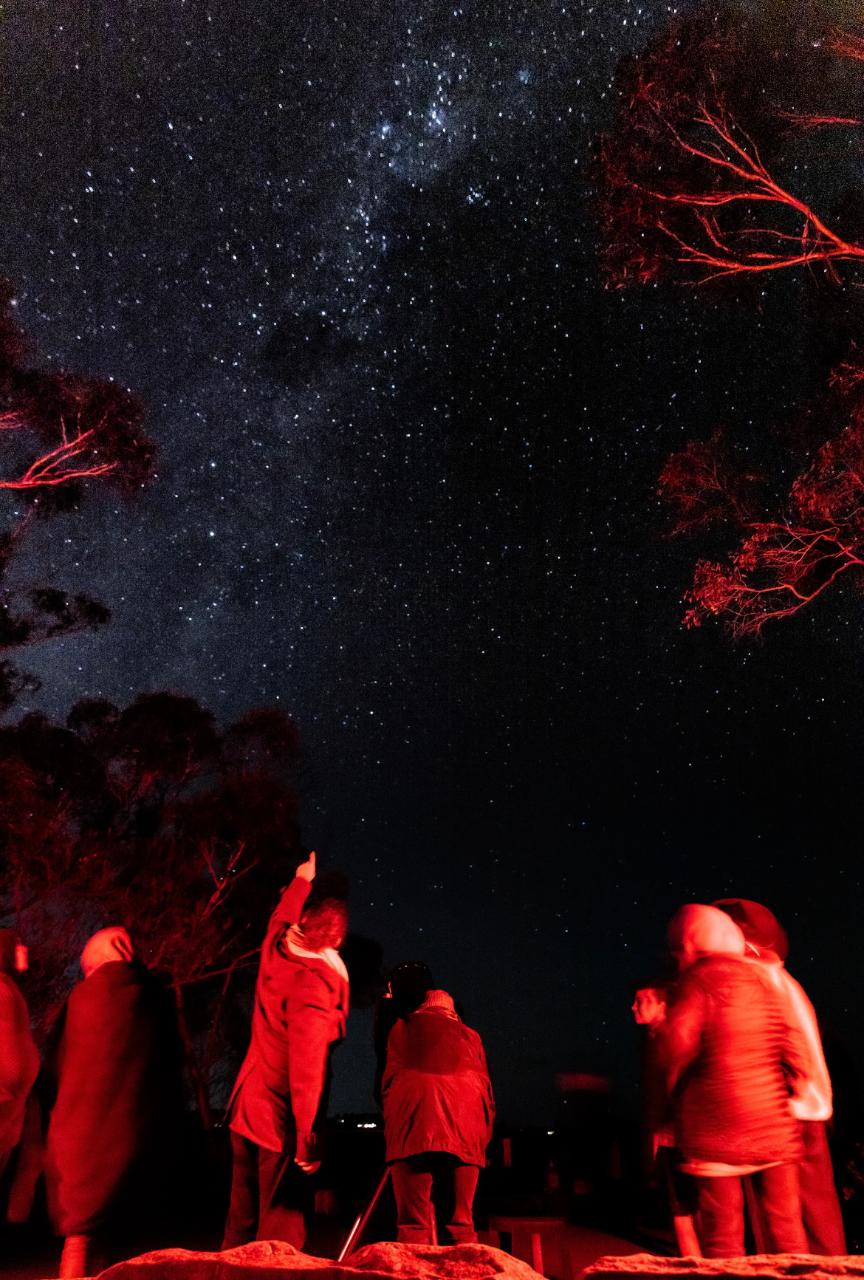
(697, 930)
(759, 925)
(104, 947)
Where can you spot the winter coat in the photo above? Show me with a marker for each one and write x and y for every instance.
(437, 1095)
(300, 1014)
(813, 1099)
(19, 1063)
(730, 1054)
(118, 1093)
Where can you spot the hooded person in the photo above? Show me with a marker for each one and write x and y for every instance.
(118, 1096)
(279, 1100)
(438, 1113)
(730, 1053)
(19, 1058)
(813, 1103)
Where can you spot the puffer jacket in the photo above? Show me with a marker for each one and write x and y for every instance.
(731, 1058)
(436, 1091)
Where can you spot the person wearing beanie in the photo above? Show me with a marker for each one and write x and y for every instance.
(116, 1114)
(279, 1100)
(19, 1058)
(813, 1103)
(438, 1113)
(729, 1050)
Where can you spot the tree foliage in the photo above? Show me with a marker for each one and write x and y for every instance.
(716, 168)
(151, 817)
(60, 434)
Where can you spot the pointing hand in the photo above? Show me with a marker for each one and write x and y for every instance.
(306, 870)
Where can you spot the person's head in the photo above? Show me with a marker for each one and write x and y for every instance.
(324, 925)
(765, 936)
(649, 1006)
(696, 930)
(104, 947)
(408, 985)
(440, 1000)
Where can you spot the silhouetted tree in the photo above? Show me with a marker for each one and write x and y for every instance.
(152, 818)
(59, 433)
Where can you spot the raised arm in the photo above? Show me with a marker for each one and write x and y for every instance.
(290, 906)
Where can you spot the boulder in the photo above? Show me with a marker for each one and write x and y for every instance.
(272, 1260)
(761, 1266)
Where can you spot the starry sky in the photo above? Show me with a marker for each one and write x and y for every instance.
(408, 448)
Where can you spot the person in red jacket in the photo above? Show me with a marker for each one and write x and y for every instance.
(113, 1125)
(813, 1106)
(280, 1096)
(438, 1113)
(732, 1058)
(19, 1058)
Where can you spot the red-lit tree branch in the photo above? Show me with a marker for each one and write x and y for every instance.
(72, 459)
(781, 565)
(59, 431)
(736, 176)
(800, 120)
(847, 45)
(683, 185)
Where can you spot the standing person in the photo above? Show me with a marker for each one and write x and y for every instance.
(280, 1097)
(813, 1104)
(19, 1058)
(118, 1097)
(729, 1051)
(438, 1112)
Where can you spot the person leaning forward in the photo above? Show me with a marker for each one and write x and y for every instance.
(280, 1096)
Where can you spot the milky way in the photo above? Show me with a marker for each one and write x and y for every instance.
(406, 479)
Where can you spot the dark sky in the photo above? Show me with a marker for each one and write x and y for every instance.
(408, 449)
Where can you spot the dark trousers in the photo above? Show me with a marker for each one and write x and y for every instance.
(426, 1182)
(721, 1212)
(819, 1204)
(270, 1196)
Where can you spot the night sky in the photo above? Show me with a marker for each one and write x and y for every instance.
(408, 449)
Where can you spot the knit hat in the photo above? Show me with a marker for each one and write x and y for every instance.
(697, 930)
(759, 925)
(439, 1000)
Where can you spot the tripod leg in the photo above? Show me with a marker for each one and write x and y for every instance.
(362, 1219)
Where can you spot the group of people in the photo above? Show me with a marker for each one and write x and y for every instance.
(737, 1089)
(102, 1118)
(433, 1081)
(108, 1100)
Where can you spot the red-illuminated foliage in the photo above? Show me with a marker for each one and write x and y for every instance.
(784, 563)
(710, 172)
(703, 486)
(694, 175)
(152, 818)
(58, 432)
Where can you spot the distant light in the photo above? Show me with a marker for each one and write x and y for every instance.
(367, 1124)
(550, 1133)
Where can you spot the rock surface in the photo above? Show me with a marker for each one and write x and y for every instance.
(272, 1260)
(763, 1266)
